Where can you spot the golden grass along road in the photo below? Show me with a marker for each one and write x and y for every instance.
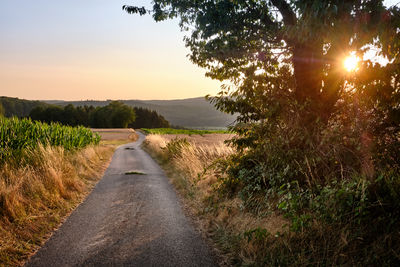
(132, 218)
(35, 198)
(189, 165)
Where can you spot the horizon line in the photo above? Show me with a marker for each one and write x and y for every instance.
(43, 100)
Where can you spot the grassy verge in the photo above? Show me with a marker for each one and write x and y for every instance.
(35, 198)
(342, 223)
(181, 131)
(235, 232)
(46, 170)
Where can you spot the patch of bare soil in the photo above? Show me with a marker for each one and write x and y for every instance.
(116, 134)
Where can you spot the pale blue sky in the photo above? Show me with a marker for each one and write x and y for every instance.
(91, 49)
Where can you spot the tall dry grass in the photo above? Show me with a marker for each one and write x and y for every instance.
(37, 192)
(189, 159)
(223, 220)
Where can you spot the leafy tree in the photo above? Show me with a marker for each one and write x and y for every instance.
(321, 143)
(291, 48)
(121, 114)
(54, 114)
(38, 114)
(146, 118)
(99, 118)
(283, 61)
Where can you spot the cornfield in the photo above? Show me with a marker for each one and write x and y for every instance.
(17, 135)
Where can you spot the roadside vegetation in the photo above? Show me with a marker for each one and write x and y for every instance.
(18, 135)
(316, 86)
(45, 172)
(181, 131)
(284, 225)
(238, 234)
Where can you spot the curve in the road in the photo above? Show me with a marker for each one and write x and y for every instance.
(127, 220)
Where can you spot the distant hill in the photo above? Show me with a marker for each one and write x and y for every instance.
(18, 107)
(191, 112)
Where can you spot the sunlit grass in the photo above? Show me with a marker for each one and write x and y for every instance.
(189, 166)
(35, 199)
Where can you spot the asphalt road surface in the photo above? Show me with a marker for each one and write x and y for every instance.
(127, 220)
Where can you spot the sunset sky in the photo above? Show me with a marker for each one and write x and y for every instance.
(91, 49)
(73, 50)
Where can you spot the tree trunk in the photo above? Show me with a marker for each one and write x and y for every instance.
(308, 66)
(308, 71)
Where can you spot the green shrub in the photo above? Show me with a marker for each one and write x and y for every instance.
(340, 177)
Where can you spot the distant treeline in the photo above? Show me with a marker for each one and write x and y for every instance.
(1, 110)
(183, 112)
(146, 118)
(114, 115)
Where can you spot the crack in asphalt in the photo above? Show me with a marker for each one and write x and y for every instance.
(127, 220)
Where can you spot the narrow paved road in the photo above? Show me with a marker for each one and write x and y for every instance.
(127, 220)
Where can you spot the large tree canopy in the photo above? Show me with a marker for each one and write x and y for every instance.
(295, 48)
(317, 142)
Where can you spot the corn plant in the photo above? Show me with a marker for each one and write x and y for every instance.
(17, 135)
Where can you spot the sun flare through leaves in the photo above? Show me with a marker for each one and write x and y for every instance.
(350, 63)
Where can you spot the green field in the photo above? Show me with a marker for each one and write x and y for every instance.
(181, 131)
(17, 135)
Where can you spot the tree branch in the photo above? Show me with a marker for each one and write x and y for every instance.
(135, 10)
(289, 17)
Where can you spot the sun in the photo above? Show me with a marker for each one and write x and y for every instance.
(350, 63)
